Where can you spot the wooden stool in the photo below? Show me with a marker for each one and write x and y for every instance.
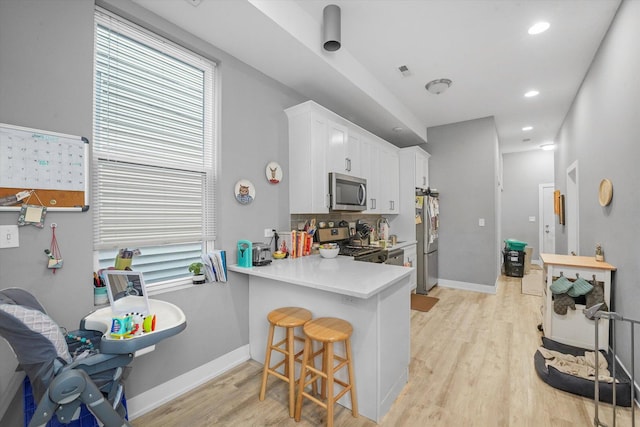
(289, 318)
(326, 330)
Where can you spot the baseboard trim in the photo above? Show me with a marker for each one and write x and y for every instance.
(163, 393)
(466, 286)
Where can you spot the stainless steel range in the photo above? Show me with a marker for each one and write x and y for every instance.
(366, 253)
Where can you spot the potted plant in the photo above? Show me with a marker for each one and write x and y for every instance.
(198, 276)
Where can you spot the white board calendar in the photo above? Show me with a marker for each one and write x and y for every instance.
(55, 165)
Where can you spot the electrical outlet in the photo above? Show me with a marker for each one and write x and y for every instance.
(9, 237)
(268, 232)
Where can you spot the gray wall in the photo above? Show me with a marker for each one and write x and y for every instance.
(463, 168)
(601, 133)
(46, 70)
(522, 174)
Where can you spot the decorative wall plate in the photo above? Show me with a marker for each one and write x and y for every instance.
(605, 192)
(244, 191)
(274, 173)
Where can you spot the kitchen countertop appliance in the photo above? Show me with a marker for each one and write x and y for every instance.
(261, 254)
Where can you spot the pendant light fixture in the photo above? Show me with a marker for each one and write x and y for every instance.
(331, 28)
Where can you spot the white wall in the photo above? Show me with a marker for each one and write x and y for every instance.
(463, 168)
(601, 133)
(523, 172)
(46, 75)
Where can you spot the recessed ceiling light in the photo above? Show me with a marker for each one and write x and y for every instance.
(397, 129)
(526, 140)
(539, 27)
(531, 93)
(527, 128)
(548, 146)
(438, 86)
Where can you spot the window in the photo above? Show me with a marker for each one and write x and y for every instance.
(153, 150)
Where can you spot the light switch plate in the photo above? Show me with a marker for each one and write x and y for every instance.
(481, 222)
(532, 219)
(9, 236)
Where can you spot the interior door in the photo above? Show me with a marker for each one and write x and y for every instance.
(547, 238)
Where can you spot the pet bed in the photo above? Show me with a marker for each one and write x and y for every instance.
(582, 386)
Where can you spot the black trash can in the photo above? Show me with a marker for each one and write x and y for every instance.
(513, 263)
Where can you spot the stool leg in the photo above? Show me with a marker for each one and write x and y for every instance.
(303, 375)
(291, 371)
(329, 372)
(325, 363)
(352, 379)
(267, 362)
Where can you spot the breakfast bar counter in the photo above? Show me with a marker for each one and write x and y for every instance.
(374, 298)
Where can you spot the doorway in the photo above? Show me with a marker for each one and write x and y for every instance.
(547, 225)
(572, 210)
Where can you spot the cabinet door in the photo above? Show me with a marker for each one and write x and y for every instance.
(369, 164)
(308, 192)
(337, 148)
(354, 154)
(390, 177)
(422, 171)
(410, 260)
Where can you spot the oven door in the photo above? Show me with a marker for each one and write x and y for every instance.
(379, 257)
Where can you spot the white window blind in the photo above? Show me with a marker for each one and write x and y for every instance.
(153, 145)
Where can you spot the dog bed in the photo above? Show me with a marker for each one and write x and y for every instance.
(582, 386)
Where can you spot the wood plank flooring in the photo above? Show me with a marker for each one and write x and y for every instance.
(471, 365)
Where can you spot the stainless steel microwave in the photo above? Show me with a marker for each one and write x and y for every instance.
(347, 193)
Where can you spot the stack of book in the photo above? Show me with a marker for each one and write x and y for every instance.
(215, 266)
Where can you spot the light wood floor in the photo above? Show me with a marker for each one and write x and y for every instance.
(471, 365)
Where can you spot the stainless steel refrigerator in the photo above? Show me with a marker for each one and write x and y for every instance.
(427, 224)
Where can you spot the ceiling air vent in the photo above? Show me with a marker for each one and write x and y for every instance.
(404, 70)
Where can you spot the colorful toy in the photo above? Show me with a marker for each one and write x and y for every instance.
(131, 324)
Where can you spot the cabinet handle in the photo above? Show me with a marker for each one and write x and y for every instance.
(391, 205)
(347, 164)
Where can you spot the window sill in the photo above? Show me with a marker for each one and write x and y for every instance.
(175, 285)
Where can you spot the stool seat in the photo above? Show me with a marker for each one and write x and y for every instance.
(328, 329)
(288, 318)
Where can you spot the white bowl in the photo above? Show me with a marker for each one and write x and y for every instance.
(329, 253)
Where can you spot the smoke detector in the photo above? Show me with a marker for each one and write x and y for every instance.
(438, 86)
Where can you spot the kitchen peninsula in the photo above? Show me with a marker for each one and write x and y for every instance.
(374, 298)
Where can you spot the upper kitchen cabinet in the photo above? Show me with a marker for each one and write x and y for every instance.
(343, 150)
(419, 161)
(321, 142)
(308, 141)
(370, 163)
(389, 171)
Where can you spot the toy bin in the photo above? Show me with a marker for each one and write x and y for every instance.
(514, 245)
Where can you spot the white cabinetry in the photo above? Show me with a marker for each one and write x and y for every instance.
(370, 162)
(574, 328)
(389, 175)
(308, 177)
(419, 164)
(320, 142)
(411, 260)
(343, 150)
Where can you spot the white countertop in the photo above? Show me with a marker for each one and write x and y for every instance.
(341, 275)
